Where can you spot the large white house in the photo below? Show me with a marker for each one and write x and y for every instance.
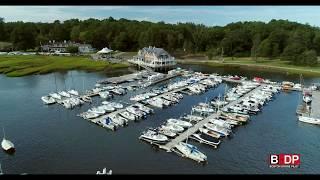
(155, 58)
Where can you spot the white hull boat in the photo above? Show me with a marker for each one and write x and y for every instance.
(153, 136)
(128, 115)
(179, 122)
(48, 100)
(210, 133)
(65, 94)
(309, 120)
(173, 128)
(55, 95)
(191, 152)
(73, 92)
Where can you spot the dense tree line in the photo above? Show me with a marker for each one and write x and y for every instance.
(299, 43)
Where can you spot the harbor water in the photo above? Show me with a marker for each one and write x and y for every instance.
(54, 140)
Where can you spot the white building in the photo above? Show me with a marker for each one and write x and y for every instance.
(155, 58)
(61, 47)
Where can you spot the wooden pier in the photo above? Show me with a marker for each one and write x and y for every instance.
(169, 146)
(310, 110)
(315, 104)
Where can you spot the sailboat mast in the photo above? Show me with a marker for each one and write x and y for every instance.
(55, 81)
(1, 173)
(4, 134)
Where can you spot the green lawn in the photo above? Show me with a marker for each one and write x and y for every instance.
(14, 66)
(263, 64)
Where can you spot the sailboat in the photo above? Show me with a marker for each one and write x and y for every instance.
(7, 145)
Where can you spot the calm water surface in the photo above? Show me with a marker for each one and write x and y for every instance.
(51, 139)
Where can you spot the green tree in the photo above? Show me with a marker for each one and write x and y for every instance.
(308, 57)
(255, 44)
(23, 36)
(292, 52)
(72, 49)
(2, 32)
(75, 33)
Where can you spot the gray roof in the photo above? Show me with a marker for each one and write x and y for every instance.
(157, 51)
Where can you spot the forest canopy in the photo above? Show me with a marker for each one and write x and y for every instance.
(295, 42)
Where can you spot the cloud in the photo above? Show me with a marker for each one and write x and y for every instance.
(209, 15)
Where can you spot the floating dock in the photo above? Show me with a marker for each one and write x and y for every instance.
(169, 146)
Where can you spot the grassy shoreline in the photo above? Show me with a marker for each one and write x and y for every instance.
(262, 64)
(16, 66)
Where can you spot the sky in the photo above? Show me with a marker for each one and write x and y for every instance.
(207, 15)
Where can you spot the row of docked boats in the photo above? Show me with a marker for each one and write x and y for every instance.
(54, 97)
(112, 115)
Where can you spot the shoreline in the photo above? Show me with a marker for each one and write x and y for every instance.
(257, 66)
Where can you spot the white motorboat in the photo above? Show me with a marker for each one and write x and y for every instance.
(166, 132)
(203, 138)
(173, 127)
(73, 92)
(307, 99)
(143, 108)
(128, 115)
(155, 102)
(86, 99)
(118, 91)
(191, 152)
(116, 120)
(154, 137)
(107, 108)
(48, 100)
(210, 133)
(104, 94)
(221, 123)
(202, 109)
(55, 95)
(89, 115)
(97, 110)
(116, 105)
(218, 129)
(64, 93)
(193, 118)
(136, 111)
(66, 103)
(96, 90)
(309, 120)
(6, 144)
(179, 122)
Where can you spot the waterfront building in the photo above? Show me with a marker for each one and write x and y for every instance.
(154, 58)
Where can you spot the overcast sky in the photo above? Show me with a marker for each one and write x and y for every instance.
(208, 15)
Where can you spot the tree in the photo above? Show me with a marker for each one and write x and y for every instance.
(2, 32)
(72, 49)
(255, 44)
(308, 57)
(75, 33)
(23, 36)
(292, 52)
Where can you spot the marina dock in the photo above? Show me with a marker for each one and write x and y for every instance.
(315, 104)
(169, 146)
(310, 110)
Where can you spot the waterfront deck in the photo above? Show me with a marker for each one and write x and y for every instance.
(169, 146)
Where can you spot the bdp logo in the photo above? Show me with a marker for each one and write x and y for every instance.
(284, 160)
